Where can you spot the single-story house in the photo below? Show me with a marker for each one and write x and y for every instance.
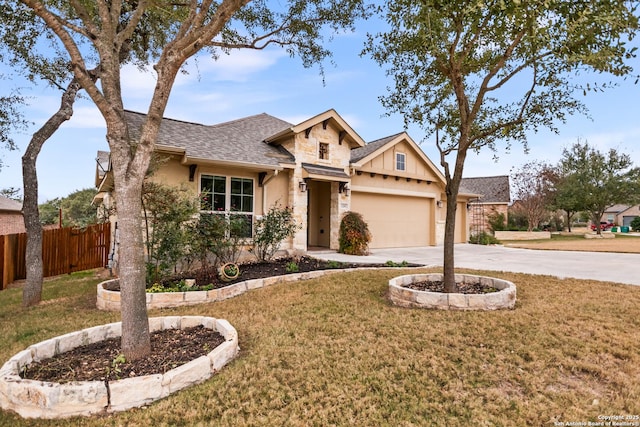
(493, 198)
(320, 167)
(621, 215)
(11, 219)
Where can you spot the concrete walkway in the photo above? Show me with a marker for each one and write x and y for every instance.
(609, 267)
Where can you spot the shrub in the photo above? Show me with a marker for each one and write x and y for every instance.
(215, 235)
(270, 230)
(292, 267)
(167, 212)
(354, 235)
(496, 221)
(483, 239)
(635, 224)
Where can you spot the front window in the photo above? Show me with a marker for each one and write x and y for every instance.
(231, 197)
(400, 161)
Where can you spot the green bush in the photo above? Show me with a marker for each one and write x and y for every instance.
(354, 235)
(483, 239)
(635, 224)
(496, 221)
(218, 236)
(270, 230)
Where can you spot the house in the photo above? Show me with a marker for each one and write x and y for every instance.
(494, 198)
(11, 219)
(621, 215)
(320, 167)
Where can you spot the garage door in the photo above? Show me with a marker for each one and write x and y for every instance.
(394, 221)
(627, 220)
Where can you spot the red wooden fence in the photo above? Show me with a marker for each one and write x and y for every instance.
(64, 250)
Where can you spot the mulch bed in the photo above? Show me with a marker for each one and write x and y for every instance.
(258, 270)
(169, 348)
(438, 286)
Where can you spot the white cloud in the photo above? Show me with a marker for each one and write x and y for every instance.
(86, 117)
(238, 66)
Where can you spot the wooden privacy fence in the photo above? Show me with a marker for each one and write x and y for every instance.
(64, 250)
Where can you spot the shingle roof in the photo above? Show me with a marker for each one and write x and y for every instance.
(7, 204)
(325, 170)
(617, 208)
(235, 141)
(362, 152)
(494, 189)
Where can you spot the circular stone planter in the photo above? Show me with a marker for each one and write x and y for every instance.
(39, 399)
(505, 298)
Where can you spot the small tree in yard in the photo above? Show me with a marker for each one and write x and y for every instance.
(532, 189)
(354, 235)
(481, 71)
(270, 230)
(167, 212)
(635, 224)
(98, 33)
(600, 180)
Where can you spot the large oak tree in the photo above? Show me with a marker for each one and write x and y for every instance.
(483, 71)
(95, 33)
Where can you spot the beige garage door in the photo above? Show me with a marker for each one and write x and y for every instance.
(394, 221)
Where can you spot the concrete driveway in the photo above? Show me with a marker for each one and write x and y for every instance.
(609, 267)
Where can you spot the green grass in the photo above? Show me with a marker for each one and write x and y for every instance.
(333, 351)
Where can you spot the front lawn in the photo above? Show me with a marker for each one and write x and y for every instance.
(333, 351)
(622, 243)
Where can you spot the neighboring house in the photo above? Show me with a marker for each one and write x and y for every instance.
(11, 219)
(621, 215)
(321, 168)
(493, 198)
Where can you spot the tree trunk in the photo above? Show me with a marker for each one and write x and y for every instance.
(452, 190)
(449, 242)
(135, 322)
(32, 290)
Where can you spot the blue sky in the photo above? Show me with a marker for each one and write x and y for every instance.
(250, 82)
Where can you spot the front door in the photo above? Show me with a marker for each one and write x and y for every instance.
(319, 214)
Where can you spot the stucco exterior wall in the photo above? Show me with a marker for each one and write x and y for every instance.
(385, 164)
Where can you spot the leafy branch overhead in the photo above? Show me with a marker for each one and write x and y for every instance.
(481, 72)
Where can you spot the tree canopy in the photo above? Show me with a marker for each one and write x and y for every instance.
(479, 72)
(77, 210)
(96, 36)
(598, 180)
(532, 186)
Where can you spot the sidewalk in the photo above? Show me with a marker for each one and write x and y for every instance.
(609, 267)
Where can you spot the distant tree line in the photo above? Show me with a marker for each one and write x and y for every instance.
(581, 186)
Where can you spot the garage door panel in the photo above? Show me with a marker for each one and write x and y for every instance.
(394, 221)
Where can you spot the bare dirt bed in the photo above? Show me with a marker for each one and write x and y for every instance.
(438, 286)
(99, 361)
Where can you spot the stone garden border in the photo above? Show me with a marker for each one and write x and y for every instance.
(110, 300)
(505, 298)
(39, 399)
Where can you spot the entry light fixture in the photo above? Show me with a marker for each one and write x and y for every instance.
(343, 187)
(303, 186)
(439, 203)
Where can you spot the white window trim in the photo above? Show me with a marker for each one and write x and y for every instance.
(404, 161)
(227, 202)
